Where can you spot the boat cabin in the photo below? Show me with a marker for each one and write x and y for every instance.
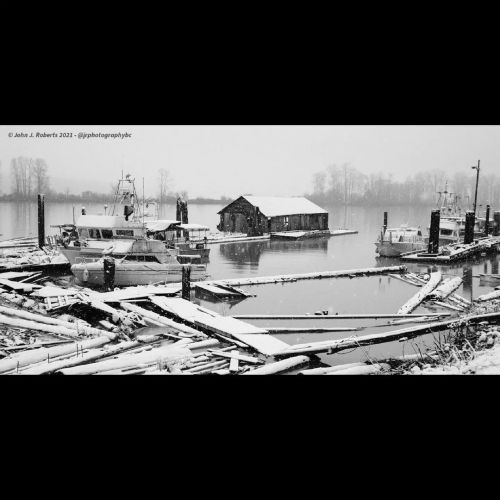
(107, 227)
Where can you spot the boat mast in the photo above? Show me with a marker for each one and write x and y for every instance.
(476, 167)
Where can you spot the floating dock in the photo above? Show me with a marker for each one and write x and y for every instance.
(454, 253)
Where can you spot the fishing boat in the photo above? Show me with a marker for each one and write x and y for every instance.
(452, 219)
(91, 234)
(394, 241)
(136, 262)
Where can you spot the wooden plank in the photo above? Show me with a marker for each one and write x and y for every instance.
(306, 276)
(331, 346)
(18, 287)
(257, 338)
(335, 316)
(214, 290)
(233, 364)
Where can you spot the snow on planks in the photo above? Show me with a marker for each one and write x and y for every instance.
(257, 338)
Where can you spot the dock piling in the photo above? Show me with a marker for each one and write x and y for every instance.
(496, 225)
(470, 220)
(434, 232)
(385, 221)
(186, 285)
(487, 223)
(41, 220)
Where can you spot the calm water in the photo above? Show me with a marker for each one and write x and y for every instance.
(377, 294)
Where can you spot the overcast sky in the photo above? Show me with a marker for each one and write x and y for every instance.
(232, 160)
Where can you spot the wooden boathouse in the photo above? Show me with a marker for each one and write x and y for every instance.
(257, 215)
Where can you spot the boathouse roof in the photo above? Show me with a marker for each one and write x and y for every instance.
(272, 206)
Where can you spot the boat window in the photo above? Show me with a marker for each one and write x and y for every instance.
(446, 232)
(124, 232)
(150, 258)
(94, 233)
(107, 233)
(83, 233)
(419, 233)
(131, 257)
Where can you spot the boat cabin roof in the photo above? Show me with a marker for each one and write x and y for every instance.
(106, 222)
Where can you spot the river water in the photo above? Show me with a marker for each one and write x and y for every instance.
(376, 294)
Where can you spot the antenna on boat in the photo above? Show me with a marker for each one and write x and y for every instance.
(476, 167)
(143, 200)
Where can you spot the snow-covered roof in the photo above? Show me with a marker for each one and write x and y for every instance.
(272, 206)
(194, 227)
(160, 225)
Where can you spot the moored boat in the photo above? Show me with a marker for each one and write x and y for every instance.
(136, 262)
(395, 241)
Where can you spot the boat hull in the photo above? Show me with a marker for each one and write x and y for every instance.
(132, 274)
(395, 249)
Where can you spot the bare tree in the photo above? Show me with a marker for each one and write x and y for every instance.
(164, 182)
(40, 176)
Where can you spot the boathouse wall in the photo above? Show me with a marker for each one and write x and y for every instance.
(241, 216)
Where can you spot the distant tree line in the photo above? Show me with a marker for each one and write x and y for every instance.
(345, 184)
(30, 176)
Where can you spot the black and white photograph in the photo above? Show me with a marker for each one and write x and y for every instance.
(368, 250)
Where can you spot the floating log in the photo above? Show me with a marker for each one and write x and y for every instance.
(488, 296)
(235, 354)
(404, 279)
(160, 355)
(81, 329)
(204, 367)
(414, 302)
(410, 332)
(42, 327)
(85, 357)
(328, 369)
(362, 370)
(307, 276)
(446, 288)
(279, 366)
(311, 330)
(27, 358)
(448, 306)
(335, 316)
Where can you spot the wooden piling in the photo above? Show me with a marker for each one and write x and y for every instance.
(496, 223)
(109, 274)
(186, 285)
(434, 232)
(470, 220)
(41, 220)
(385, 221)
(487, 223)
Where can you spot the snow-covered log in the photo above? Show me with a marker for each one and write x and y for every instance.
(36, 355)
(414, 302)
(279, 366)
(446, 288)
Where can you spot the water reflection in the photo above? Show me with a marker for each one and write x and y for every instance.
(243, 255)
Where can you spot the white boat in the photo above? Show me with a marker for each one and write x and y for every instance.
(137, 262)
(395, 241)
(91, 234)
(452, 219)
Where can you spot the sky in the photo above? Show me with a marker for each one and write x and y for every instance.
(214, 161)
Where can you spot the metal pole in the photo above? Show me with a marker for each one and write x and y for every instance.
(41, 221)
(477, 182)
